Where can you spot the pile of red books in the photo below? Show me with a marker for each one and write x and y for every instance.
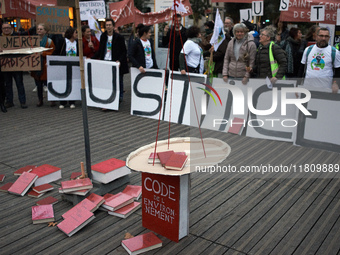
(171, 160)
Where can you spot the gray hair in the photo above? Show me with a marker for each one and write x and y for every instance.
(323, 29)
(240, 26)
(232, 21)
(271, 31)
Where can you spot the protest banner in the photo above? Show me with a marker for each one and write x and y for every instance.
(57, 18)
(102, 84)
(63, 78)
(14, 62)
(147, 94)
(25, 9)
(300, 10)
(122, 12)
(16, 42)
(92, 8)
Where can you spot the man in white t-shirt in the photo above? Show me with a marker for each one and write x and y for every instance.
(320, 63)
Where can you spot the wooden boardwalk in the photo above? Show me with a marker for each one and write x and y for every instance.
(229, 214)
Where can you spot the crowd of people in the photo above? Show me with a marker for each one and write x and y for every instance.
(246, 52)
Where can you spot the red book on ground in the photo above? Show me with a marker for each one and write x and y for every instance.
(28, 168)
(133, 191)
(127, 210)
(74, 185)
(81, 192)
(109, 170)
(32, 193)
(176, 162)
(47, 201)
(42, 214)
(43, 188)
(106, 198)
(76, 221)
(117, 201)
(142, 243)
(164, 156)
(23, 183)
(5, 187)
(2, 177)
(98, 200)
(75, 175)
(46, 174)
(84, 204)
(237, 126)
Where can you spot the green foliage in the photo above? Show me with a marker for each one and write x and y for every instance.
(198, 8)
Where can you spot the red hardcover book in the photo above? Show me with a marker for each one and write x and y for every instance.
(133, 191)
(74, 185)
(5, 187)
(164, 156)
(106, 198)
(43, 188)
(75, 175)
(46, 174)
(32, 193)
(85, 204)
(150, 159)
(237, 126)
(76, 221)
(117, 201)
(98, 200)
(28, 168)
(109, 170)
(127, 210)
(2, 177)
(172, 193)
(176, 162)
(42, 214)
(47, 201)
(23, 183)
(81, 192)
(142, 243)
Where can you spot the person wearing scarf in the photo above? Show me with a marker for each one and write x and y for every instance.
(40, 77)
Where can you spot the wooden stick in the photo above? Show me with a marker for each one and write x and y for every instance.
(83, 174)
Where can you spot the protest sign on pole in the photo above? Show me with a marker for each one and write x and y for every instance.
(92, 8)
(57, 18)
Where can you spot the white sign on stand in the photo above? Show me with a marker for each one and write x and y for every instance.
(102, 84)
(284, 5)
(245, 15)
(63, 78)
(257, 8)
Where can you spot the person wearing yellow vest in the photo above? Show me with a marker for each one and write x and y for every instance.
(270, 59)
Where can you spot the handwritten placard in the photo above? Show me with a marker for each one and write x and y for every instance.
(56, 17)
(12, 63)
(92, 8)
(16, 42)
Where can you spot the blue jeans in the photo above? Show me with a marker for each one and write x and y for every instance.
(19, 81)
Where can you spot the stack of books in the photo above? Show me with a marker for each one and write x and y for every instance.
(40, 190)
(122, 204)
(172, 160)
(109, 170)
(76, 187)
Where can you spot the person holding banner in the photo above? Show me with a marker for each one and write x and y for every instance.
(40, 77)
(270, 59)
(17, 76)
(90, 42)
(142, 54)
(68, 47)
(240, 55)
(112, 48)
(321, 63)
(193, 61)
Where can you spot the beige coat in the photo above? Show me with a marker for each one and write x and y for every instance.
(237, 69)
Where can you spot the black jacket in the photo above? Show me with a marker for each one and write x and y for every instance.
(118, 51)
(137, 55)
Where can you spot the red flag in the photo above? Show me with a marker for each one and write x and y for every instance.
(122, 12)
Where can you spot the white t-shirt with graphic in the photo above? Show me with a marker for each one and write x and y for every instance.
(71, 47)
(108, 48)
(147, 53)
(194, 54)
(319, 72)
